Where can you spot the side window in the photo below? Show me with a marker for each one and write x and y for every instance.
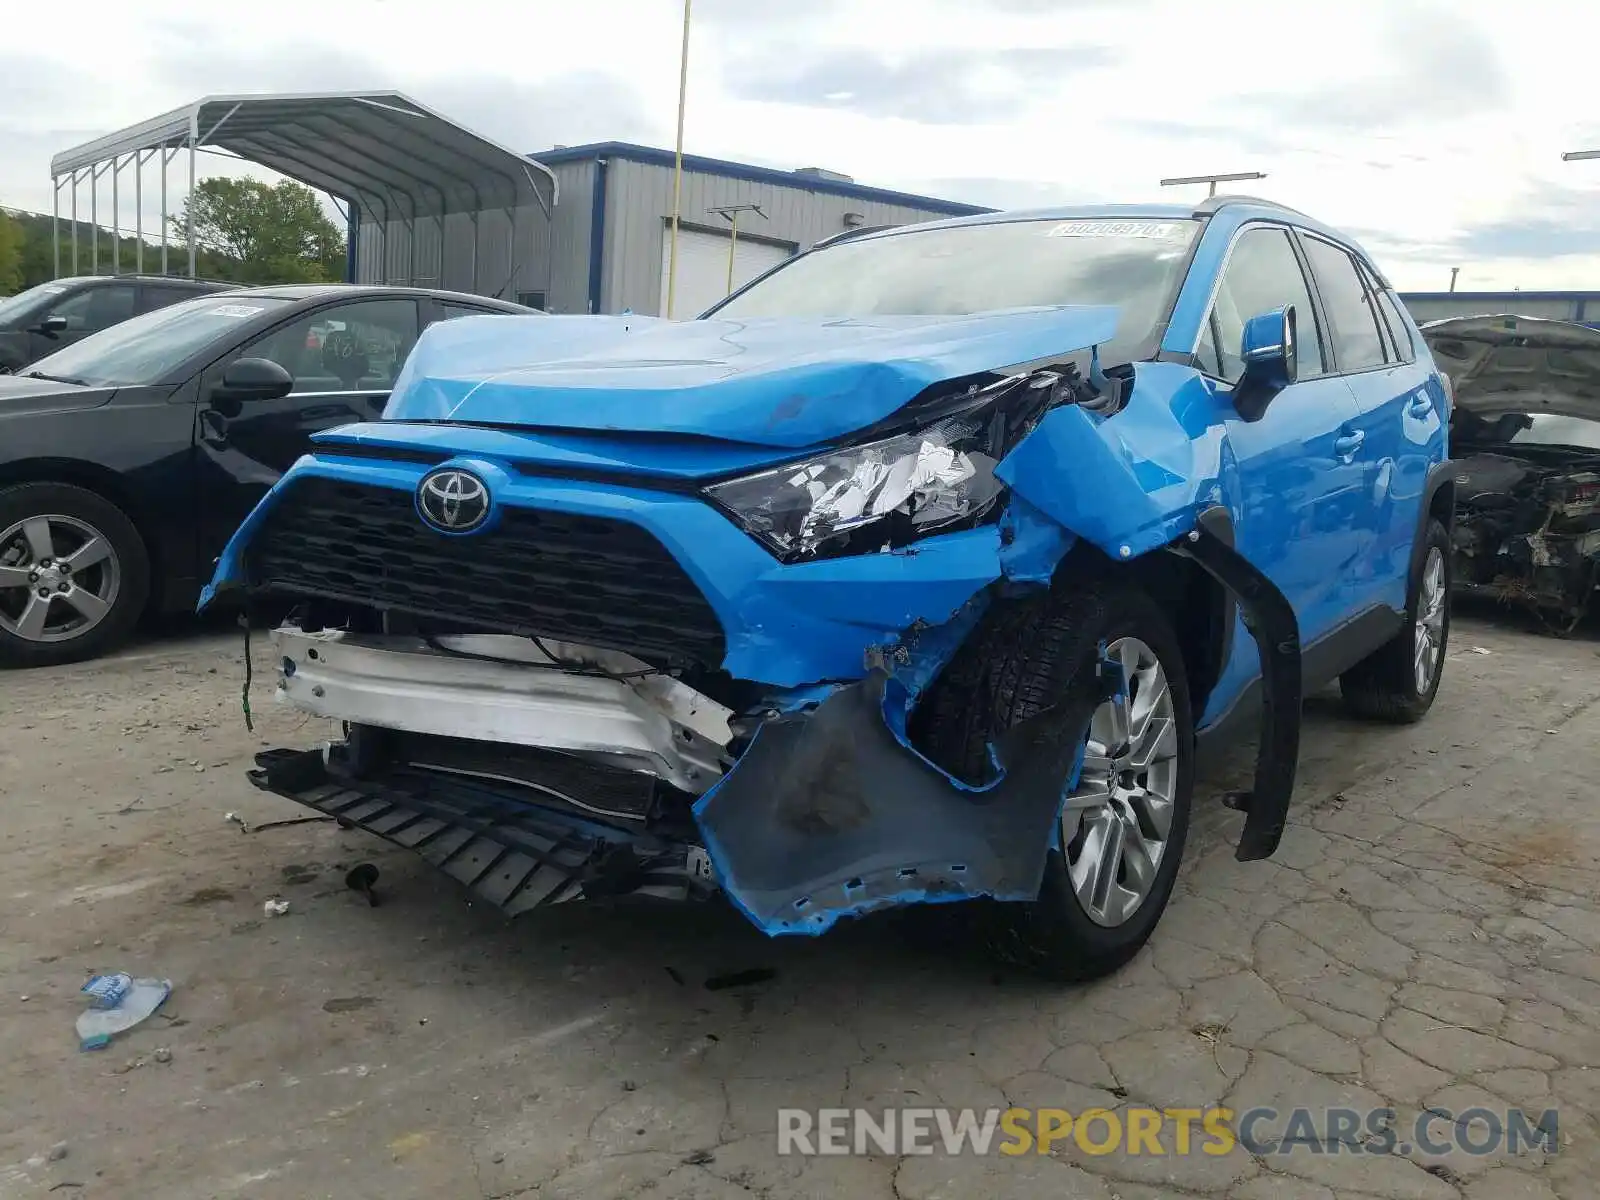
(1389, 314)
(1357, 344)
(444, 311)
(356, 347)
(97, 308)
(1263, 274)
(155, 295)
(461, 310)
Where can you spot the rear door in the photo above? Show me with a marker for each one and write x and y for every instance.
(1297, 482)
(344, 359)
(1380, 367)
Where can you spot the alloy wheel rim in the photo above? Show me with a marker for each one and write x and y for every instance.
(1116, 824)
(1428, 641)
(59, 578)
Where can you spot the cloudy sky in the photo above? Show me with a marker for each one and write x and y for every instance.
(1431, 130)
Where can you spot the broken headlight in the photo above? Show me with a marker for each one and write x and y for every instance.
(873, 496)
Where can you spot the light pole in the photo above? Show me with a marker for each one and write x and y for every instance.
(730, 213)
(1580, 155)
(1213, 180)
(677, 165)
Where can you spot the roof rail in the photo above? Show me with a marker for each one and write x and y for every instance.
(847, 234)
(157, 276)
(1213, 203)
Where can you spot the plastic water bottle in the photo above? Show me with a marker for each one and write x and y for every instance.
(117, 1003)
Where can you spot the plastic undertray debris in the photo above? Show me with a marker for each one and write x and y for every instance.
(506, 852)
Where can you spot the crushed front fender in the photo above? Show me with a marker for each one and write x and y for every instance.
(828, 814)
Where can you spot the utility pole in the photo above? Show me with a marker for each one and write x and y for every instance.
(1213, 180)
(730, 213)
(677, 165)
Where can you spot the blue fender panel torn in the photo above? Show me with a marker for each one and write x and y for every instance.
(827, 815)
(1132, 482)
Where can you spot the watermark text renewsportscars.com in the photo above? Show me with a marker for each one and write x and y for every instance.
(1265, 1132)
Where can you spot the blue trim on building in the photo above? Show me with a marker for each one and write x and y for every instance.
(1576, 296)
(1584, 304)
(733, 170)
(597, 235)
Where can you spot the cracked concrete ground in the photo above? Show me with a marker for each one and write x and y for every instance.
(1427, 938)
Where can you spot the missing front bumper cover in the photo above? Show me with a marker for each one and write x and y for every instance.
(830, 815)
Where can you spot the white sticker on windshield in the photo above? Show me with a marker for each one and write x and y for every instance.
(236, 310)
(1166, 230)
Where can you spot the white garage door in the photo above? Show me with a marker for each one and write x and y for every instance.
(703, 268)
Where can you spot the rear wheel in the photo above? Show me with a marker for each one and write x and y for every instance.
(74, 575)
(1115, 858)
(1398, 682)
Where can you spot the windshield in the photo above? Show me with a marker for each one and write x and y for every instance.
(22, 304)
(143, 349)
(1526, 429)
(963, 269)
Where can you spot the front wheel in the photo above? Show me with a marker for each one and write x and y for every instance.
(1114, 858)
(74, 575)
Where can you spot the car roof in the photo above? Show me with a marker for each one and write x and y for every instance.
(180, 280)
(316, 291)
(1236, 208)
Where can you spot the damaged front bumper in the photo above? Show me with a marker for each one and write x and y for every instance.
(532, 785)
(495, 688)
(567, 772)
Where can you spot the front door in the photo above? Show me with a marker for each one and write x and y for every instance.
(1298, 480)
(344, 359)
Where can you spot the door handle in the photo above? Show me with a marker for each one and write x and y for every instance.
(1420, 405)
(1346, 446)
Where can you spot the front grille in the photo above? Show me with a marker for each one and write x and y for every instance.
(559, 575)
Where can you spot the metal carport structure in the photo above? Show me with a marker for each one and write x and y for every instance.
(393, 161)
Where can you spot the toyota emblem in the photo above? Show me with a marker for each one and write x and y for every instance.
(453, 501)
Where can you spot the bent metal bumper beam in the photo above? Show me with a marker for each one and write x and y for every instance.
(486, 689)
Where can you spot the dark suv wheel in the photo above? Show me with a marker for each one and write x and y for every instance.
(74, 575)
(1115, 858)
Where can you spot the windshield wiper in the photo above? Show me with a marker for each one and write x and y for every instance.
(56, 378)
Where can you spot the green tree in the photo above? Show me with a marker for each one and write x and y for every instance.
(11, 245)
(273, 233)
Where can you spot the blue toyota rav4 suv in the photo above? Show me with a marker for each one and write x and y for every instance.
(910, 573)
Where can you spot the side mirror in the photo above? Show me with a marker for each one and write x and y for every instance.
(1271, 361)
(247, 379)
(52, 326)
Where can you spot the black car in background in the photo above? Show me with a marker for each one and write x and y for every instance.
(128, 459)
(52, 315)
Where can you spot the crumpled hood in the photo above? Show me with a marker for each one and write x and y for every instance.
(789, 382)
(1505, 363)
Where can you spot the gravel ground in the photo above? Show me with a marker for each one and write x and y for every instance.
(1427, 937)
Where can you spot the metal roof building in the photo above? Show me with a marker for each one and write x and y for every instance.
(1580, 307)
(610, 233)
